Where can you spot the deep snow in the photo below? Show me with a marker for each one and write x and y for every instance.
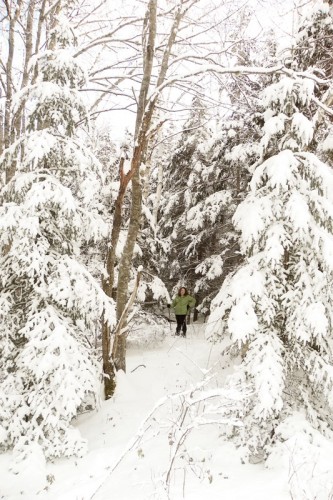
(129, 455)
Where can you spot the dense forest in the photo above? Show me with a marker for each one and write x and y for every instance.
(147, 146)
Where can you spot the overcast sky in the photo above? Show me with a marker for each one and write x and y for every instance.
(282, 16)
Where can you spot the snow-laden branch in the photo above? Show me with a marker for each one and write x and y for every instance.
(192, 414)
(195, 57)
(322, 106)
(51, 8)
(246, 70)
(143, 429)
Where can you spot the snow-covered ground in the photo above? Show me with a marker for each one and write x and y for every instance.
(136, 453)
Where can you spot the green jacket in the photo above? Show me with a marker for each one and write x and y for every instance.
(180, 303)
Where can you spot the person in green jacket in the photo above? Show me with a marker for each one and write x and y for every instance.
(181, 304)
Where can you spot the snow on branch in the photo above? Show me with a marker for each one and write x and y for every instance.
(193, 410)
(237, 70)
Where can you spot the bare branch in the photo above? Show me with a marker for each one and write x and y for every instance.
(105, 37)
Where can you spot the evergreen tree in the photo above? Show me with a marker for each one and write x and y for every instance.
(231, 153)
(277, 309)
(184, 189)
(49, 302)
(229, 164)
(207, 178)
(313, 51)
(106, 152)
(201, 241)
(314, 41)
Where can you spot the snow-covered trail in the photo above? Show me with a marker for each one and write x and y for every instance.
(174, 365)
(152, 373)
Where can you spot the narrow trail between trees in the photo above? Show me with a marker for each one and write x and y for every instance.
(125, 463)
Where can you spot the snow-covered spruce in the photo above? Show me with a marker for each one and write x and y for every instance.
(50, 305)
(277, 309)
(313, 49)
(194, 208)
(313, 42)
(205, 181)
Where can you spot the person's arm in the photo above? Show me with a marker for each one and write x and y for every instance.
(191, 301)
(174, 302)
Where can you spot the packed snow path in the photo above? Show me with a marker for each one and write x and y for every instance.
(211, 467)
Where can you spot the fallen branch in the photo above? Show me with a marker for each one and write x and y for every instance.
(144, 366)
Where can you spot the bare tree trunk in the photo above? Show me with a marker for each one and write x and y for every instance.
(9, 90)
(108, 282)
(8, 128)
(41, 20)
(119, 348)
(119, 354)
(158, 195)
(146, 174)
(18, 120)
(108, 368)
(143, 123)
(119, 345)
(2, 144)
(52, 15)
(144, 119)
(148, 59)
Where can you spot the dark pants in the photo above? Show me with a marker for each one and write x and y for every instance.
(181, 324)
